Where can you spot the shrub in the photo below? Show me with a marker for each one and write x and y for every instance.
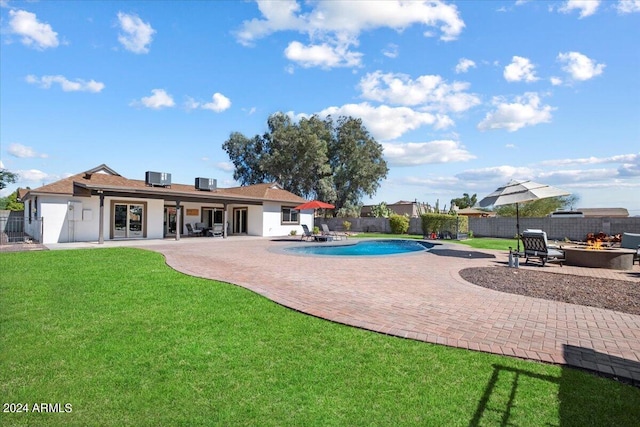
(437, 223)
(293, 232)
(399, 224)
(316, 230)
(346, 225)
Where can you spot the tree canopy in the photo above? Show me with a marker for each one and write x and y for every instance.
(11, 202)
(337, 162)
(465, 201)
(537, 208)
(7, 177)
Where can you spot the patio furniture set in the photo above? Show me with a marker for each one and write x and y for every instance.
(615, 258)
(200, 229)
(325, 236)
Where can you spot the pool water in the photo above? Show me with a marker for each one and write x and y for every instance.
(364, 248)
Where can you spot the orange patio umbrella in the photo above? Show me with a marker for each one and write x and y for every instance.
(314, 204)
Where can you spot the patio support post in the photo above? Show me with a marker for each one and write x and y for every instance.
(224, 221)
(101, 218)
(518, 227)
(178, 223)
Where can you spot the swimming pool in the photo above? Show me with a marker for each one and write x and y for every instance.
(363, 248)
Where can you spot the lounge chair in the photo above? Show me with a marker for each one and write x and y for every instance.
(192, 232)
(536, 245)
(327, 232)
(306, 234)
(631, 241)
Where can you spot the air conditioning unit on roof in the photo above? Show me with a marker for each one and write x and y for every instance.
(206, 184)
(158, 179)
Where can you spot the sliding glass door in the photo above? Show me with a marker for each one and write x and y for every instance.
(128, 221)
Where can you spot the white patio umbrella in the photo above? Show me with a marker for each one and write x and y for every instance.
(519, 192)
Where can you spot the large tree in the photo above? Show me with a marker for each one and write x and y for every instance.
(357, 163)
(7, 177)
(314, 158)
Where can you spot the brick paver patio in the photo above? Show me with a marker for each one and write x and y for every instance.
(422, 296)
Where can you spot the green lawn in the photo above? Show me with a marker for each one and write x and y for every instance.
(127, 341)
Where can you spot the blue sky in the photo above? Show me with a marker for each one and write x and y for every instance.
(464, 96)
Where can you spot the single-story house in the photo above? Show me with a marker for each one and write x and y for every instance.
(100, 204)
(401, 207)
(475, 213)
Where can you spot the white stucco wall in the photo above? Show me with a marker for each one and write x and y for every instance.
(254, 220)
(273, 226)
(61, 224)
(54, 211)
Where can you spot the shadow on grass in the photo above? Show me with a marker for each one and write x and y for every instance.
(584, 399)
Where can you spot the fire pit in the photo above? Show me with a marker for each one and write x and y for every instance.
(599, 257)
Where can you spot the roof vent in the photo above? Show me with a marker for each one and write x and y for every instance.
(158, 179)
(206, 184)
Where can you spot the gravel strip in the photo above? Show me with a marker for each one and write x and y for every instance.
(618, 295)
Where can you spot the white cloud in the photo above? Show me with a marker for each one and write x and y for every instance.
(625, 171)
(388, 123)
(24, 152)
(525, 111)
(391, 51)
(429, 91)
(579, 66)
(520, 69)
(137, 35)
(159, 99)
(78, 85)
(34, 33)
(422, 153)
(628, 165)
(622, 158)
(218, 104)
(497, 173)
(464, 64)
(628, 6)
(556, 81)
(34, 175)
(586, 7)
(334, 26)
(322, 55)
(279, 16)
(225, 166)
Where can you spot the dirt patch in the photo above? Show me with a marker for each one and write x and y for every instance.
(18, 247)
(618, 295)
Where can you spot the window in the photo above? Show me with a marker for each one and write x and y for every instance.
(290, 216)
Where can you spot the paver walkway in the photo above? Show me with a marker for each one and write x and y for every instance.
(422, 296)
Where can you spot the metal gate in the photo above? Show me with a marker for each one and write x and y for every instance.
(17, 229)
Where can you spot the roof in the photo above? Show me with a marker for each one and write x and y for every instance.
(105, 179)
(604, 212)
(475, 212)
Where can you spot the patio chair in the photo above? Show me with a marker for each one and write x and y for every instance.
(631, 241)
(327, 232)
(536, 245)
(217, 230)
(192, 232)
(306, 234)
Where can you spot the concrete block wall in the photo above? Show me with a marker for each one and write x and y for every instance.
(368, 225)
(556, 228)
